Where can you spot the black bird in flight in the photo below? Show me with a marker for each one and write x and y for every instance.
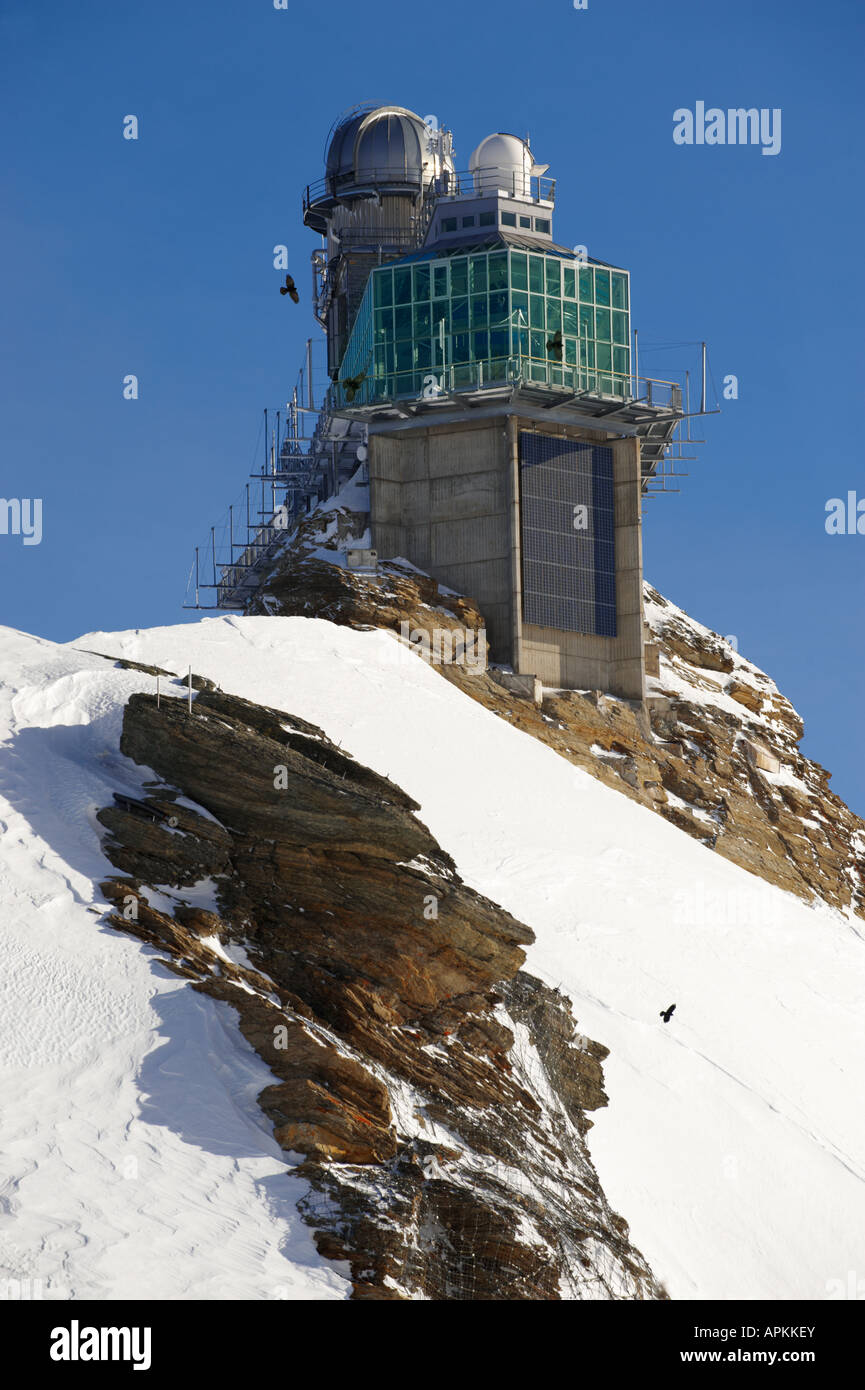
(667, 1014)
(351, 385)
(554, 345)
(290, 288)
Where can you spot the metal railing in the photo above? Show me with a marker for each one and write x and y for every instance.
(514, 371)
(461, 183)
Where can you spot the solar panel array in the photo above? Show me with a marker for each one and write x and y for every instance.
(568, 551)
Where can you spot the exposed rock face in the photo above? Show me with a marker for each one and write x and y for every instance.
(437, 1091)
(310, 588)
(716, 751)
(306, 580)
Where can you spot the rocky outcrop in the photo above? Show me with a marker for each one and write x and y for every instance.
(715, 750)
(437, 1093)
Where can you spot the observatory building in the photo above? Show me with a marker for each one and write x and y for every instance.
(484, 371)
(509, 439)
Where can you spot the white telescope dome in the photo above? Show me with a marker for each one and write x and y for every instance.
(504, 162)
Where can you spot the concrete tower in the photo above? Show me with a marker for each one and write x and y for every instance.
(509, 439)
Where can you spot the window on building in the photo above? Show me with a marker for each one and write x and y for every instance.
(487, 219)
(448, 224)
(620, 291)
(440, 281)
(509, 219)
(459, 276)
(526, 222)
(542, 224)
(468, 221)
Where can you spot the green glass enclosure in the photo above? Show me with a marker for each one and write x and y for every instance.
(481, 318)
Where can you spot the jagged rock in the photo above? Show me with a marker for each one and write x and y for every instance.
(438, 1093)
(307, 587)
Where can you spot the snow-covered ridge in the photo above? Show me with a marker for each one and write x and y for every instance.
(734, 1143)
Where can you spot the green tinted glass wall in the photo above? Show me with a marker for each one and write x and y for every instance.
(489, 316)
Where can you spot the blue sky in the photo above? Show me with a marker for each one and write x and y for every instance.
(154, 257)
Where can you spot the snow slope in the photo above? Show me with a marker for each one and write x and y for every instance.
(134, 1161)
(734, 1143)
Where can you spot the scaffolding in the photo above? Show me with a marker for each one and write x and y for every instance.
(306, 456)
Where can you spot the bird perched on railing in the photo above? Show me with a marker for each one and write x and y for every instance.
(290, 288)
(554, 345)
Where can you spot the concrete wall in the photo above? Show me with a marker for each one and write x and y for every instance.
(441, 498)
(446, 497)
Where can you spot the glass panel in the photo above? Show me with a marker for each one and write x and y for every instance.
(423, 354)
(587, 321)
(478, 274)
(498, 271)
(480, 345)
(538, 344)
(542, 225)
(468, 221)
(569, 278)
(499, 342)
(460, 346)
(440, 281)
(420, 275)
(459, 314)
(403, 323)
(499, 307)
(459, 276)
(383, 287)
(587, 354)
(520, 305)
(602, 286)
(402, 285)
(554, 314)
(520, 339)
(602, 324)
(384, 323)
(571, 351)
(449, 224)
(553, 272)
(570, 318)
(519, 270)
(441, 314)
(404, 355)
(605, 356)
(621, 361)
(587, 293)
(536, 311)
(620, 327)
(422, 323)
(536, 274)
(479, 311)
(487, 219)
(526, 222)
(620, 291)
(509, 219)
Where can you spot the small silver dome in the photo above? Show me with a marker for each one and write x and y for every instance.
(383, 145)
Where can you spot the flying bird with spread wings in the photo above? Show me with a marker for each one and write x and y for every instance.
(554, 345)
(667, 1014)
(290, 288)
(352, 384)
